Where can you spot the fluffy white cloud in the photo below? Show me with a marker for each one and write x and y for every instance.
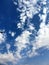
(4, 58)
(42, 40)
(7, 57)
(21, 41)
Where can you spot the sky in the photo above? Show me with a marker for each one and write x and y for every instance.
(24, 32)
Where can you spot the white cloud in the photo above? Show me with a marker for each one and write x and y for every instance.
(8, 47)
(42, 40)
(19, 25)
(7, 57)
(29, 9)
(31, 27)
(12, 33)
(21, 41)
(15, 3)
(4, 58)
(2, 37)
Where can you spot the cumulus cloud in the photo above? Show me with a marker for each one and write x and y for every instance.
(21, 41)
(4, 58)
(42, 40)
(28, 9)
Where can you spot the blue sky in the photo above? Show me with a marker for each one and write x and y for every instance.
(24, 33)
